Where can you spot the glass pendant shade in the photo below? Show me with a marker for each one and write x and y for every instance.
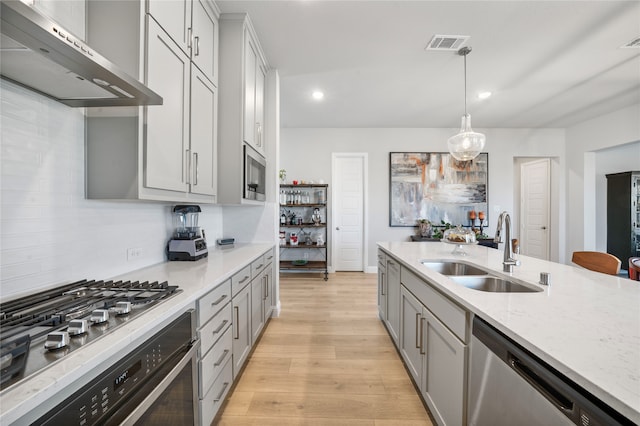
(467, 144)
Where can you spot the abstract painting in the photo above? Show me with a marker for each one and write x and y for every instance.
(437, 187)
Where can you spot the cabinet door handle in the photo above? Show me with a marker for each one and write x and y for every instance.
(219, 329)
(259, 134)
(189, 37)
(266, 287)
(422, 351)
(196, 170)
(418, 340)
(221, 392)
(196, 40)
(222, 357)
(382, 293)
(236, 322)
(385, 284)
(187, 173)
(220, 299)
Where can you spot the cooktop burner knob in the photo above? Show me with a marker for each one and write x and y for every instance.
(122, 308)
(78, 327)
(56, 340)
(99, 316)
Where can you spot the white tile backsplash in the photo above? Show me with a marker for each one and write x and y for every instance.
(49, 233)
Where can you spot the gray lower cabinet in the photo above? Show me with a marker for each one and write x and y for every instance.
(257, 307)
(411, 339)
(230, 319)
(215, 372)
(436, 360)
(434, 337)
(241, 304)
(382, 285)
(269, 291)
(393, 299)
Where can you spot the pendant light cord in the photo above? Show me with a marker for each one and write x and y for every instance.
(464, 51)
(465, 83)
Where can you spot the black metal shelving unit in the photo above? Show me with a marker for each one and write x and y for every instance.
(307, 255)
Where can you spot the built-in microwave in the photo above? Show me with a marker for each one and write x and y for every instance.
(254, 175)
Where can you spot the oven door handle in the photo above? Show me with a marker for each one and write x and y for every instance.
(162, 386)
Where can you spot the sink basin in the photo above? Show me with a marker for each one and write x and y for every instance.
(494, 284)
(454, 268)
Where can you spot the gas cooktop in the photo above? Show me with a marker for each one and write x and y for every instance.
(40, 329)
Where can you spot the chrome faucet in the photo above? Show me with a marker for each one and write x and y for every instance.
(508, 263)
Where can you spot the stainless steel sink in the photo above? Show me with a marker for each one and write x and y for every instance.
(494, 284)
(454, 268)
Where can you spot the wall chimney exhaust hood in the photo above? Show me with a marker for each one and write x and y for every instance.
(38, 53)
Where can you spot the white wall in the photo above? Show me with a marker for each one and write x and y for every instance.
(306, 155)
(49, 233)
(592, 147)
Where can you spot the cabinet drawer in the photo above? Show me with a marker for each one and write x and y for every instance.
(211, 403)
(240, 280)
(214, 329)
(451, 315)
(268, 257)
(212, 364)
(212, 302)
(257, 266)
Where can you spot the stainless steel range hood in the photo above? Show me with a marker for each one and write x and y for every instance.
(41, 55)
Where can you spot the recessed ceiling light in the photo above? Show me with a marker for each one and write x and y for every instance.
(317, 95)
(484, 95)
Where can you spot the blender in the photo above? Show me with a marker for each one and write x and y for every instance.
(188, 242)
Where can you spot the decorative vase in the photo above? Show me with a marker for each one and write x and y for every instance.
(425, 229)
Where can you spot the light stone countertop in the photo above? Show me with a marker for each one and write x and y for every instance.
(585, 324)
(195, 279)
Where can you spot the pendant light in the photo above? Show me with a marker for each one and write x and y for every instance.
(467, 144)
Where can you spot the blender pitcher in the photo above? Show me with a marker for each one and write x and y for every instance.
(186, 222)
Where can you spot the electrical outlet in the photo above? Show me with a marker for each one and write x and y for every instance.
(134, 253)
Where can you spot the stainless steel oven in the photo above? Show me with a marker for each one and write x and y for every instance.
(254, 175)
(155, 384)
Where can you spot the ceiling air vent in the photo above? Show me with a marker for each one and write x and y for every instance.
(447, 42)
(635, 43)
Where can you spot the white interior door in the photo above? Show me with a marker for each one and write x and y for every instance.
(534, 208)
(348, 181)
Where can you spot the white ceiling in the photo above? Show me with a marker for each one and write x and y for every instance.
(548, 63)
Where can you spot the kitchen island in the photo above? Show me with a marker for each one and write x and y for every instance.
(28, 399)
(585, 324)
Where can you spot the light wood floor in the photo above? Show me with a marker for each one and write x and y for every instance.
(327, 360)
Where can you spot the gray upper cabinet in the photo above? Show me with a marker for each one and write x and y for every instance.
(193, 26)
(205, 40)
(166, 152)
(174, 16)
(243, 69)
(254, 76)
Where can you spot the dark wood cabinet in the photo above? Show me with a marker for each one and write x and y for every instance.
(623, 215)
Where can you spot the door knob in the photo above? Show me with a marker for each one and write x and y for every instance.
(544, 227)
(337, 228)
